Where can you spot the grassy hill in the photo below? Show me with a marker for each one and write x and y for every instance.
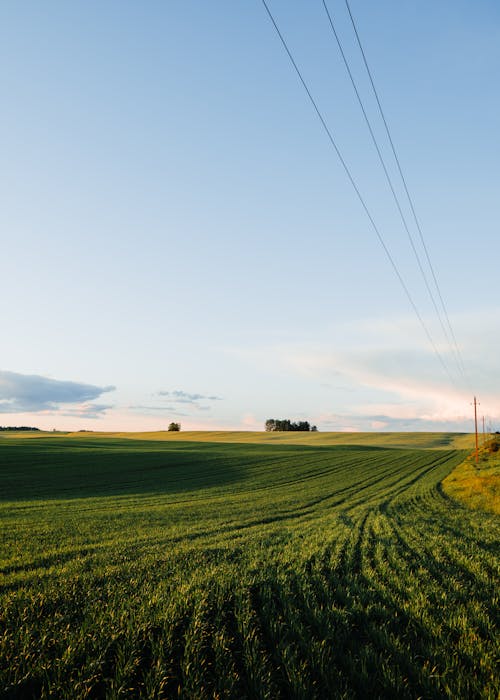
(420, 440)
(247, 565)
(477, 484)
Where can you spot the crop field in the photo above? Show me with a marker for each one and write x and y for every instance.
(244, 566)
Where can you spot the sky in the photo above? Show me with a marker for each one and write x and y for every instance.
(181, 243)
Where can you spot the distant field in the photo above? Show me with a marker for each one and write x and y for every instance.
(458, 441)
(243, 565)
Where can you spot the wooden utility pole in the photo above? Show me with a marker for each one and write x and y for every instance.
(475, 424)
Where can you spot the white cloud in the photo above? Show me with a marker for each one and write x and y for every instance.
(383, 374)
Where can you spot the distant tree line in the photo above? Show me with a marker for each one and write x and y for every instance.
(174, 427)
(274, 424)
(16, 427)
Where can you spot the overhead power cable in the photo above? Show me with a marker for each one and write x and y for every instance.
(391, 186)
(408, 195)
(358, 193)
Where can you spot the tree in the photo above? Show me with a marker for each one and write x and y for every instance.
(174, 427)
(286, 425)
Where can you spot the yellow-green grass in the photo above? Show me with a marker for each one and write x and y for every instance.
(174, 568)
(418, 440)
(477, 485)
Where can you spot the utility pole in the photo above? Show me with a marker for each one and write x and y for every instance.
(475, 424)
(484, 433)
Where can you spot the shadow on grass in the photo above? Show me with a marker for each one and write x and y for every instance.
(59, 469)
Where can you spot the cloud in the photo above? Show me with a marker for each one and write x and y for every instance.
(140, 408)
(31, 393)
(177, 401)
(184, 397)
(250, 422)
(358, 422)
(88, 410)
(382, 374)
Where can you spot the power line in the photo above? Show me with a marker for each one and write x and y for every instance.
(410, 200)
(358, 193)
(390, 183)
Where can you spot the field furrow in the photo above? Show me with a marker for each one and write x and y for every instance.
(176, 568)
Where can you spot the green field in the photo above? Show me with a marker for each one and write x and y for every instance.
(243, 566)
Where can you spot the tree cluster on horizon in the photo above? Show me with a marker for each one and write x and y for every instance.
(276, 424)
(17, 428)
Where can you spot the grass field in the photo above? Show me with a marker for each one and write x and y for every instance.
(435, 441)
(477, 484)
(243, 566)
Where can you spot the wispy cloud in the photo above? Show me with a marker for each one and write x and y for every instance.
(32, 393)
(358, 422)
(88, 410)
(382, 374)
(184, 397)
(148, 409)
(186, 400)
(177, 403)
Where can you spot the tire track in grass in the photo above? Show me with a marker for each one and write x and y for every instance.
(437, 516)
(443, 592)
(353, 633)
(420, 627)
(414, 562)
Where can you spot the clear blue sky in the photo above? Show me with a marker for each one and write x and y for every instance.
(175, 225)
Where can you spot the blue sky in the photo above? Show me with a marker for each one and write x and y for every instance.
(179, 241)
